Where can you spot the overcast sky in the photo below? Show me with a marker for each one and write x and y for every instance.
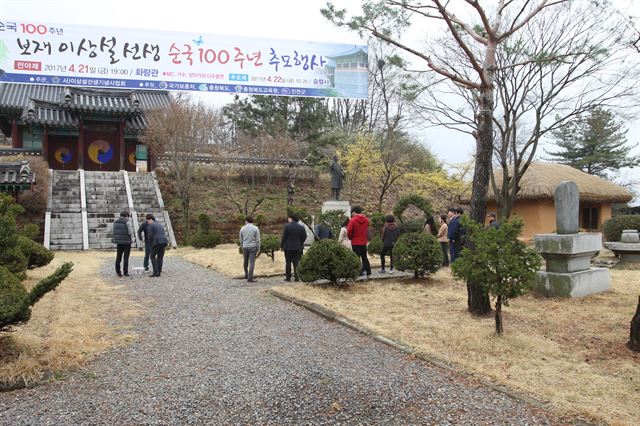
(286, 19)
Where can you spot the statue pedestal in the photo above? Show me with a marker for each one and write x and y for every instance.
(568, 259)
(337, 205)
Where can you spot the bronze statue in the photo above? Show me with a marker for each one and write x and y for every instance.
(337, 176)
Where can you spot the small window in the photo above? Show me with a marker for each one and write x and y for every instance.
(141, 152)
(590, 218)
(32, 137)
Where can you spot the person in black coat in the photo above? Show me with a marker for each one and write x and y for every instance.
(158, 241)
(122, 237)
(143, 235)
(292, 243)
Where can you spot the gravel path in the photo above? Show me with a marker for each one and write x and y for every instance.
(217, 351)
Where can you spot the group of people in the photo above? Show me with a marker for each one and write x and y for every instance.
(155, 242)
(355, 235)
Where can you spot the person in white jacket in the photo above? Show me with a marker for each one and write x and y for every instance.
(343, 238)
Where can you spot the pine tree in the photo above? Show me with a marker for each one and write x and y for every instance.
(594, 144)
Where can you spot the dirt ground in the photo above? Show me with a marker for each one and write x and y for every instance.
(570, 353)
(70, 324)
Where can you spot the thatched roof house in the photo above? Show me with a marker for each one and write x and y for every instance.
(537, 189)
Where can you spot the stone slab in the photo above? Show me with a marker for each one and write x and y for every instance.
(574, 284)
(583, 242)
(567, 202)
(337, 205)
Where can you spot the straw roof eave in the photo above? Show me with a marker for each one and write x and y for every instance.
(541, 179)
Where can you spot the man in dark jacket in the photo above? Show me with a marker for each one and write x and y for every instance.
(122, 237)
(390, 234)
(358, 233)
(454, 233)
(158, 241)
(292, 243)
(143, 235)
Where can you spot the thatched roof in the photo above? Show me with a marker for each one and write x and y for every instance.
(540, 181)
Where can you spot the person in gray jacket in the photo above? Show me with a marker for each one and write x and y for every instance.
(122, 237)
(250, 244)
(158, 241)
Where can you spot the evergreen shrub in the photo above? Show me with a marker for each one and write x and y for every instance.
(16, 302)
(31, 231)
(375, 246)
(417, 252)
(613, 227)
(269, 245)
(206, 240)
(499, 261)
(36, 254)
(12, 297)
(330, 260)
(204, 236)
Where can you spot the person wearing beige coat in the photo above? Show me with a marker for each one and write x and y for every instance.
(442, 239)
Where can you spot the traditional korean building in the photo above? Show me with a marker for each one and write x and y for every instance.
(80, 128)
(16, 176)
(535, 205)
(350, 66)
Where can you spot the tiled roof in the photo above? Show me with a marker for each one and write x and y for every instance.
(47, 114)
(16, 97)
(16, 173)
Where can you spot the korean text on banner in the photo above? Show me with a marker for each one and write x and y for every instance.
(74, 55)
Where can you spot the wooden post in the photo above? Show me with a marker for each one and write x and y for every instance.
(16, 136)
(45, 144)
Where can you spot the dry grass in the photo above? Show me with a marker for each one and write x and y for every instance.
(227, 260)
(569, 352)
(69, 325)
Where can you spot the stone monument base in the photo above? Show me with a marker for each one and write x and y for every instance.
(628, 252)
(572, 284)
(337, 205)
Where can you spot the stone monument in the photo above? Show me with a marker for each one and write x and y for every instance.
(337, 178)
(568, 252)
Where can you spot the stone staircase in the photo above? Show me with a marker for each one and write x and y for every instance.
(81, 216)
(106, 198)
(64, 206)
(147, 200)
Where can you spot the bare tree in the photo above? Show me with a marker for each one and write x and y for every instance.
(177, 134)
(556, 68)
(487, 29)
(255, 178)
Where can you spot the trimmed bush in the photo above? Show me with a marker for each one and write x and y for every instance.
(417, 252)
(613, 227)
(269, 245)
(416, 200)
(205, 240)
(16, 262)
(376, 222)
(16, 302)
(375, 245)
(330, 260)
(31, 231)
(12, 297)
(36, 254)
(205, 237)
